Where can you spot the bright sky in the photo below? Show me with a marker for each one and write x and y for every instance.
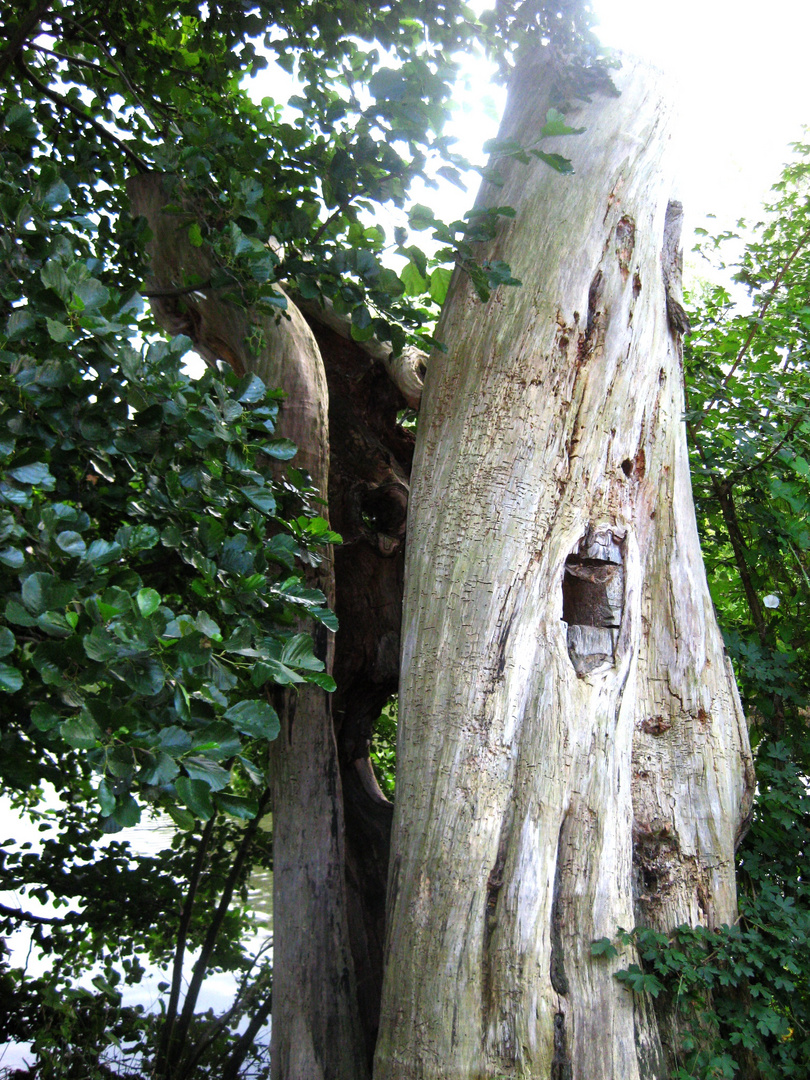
(744, 88)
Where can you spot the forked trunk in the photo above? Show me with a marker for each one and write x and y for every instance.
(573, 756)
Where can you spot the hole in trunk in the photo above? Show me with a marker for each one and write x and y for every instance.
(593, 599)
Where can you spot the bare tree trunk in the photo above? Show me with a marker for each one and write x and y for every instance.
(572, 757)
(316, 1032)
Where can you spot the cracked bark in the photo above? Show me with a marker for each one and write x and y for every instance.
(624, 779)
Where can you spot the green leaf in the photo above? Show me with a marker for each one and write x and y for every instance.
(72, 544)
(439, 283)
(148, 601)
(81, 732)
(161, 771)
(92, 294)
(11, 678)
(415, 284)
(195, 235)
(7, 641)
(106, 799)
(45, 592)
(36, 473)
(201, 768)
(101, 552)
(13, 558)
(196, 794)
(181, 817)
(555, 125)
(258, 719)
(280, 449)
(44, 716)
(260, 497)
(54, 277)
(100, 646)
(604, 947)
(59, 331)
(127, 812)
(174, 740)
(297, 652)
(238, 806)
(554, 161)
(206, 625)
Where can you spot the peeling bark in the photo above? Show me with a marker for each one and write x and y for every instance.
(573, 756)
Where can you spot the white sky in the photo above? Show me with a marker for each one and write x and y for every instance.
(744, 88)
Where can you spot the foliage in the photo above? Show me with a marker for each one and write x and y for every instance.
(743, 991)
(747, 379)
(145, 614)
(384, 748)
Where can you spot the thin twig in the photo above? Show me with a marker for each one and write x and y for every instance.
(795, 555)
(27, 916)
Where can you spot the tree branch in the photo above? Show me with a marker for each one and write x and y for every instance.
(18, 37)
(27, 916)
(735, 476)
(119, 71)
(171, 291)
(232, 1066)
(63, 103)
(180, 948)
(201, 966)
(78, 60)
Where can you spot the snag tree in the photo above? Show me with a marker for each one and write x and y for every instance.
(573, 756)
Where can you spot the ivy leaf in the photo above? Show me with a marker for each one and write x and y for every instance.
(604, 947)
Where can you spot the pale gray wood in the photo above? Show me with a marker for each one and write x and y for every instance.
(539, 808)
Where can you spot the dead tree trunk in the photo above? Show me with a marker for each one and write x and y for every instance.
(572, 757)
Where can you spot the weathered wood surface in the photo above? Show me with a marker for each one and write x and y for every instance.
(543, 801)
